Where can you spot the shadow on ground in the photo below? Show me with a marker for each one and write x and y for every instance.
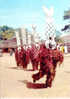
(29, 70)
(67, 71)
(33, 85)
(18, 68)
(15, 68)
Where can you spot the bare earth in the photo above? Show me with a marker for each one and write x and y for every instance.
(18, 83)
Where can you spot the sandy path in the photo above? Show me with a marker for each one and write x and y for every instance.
(13, 80)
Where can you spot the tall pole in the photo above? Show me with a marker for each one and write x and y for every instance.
(33, 33)
(18, 39)
(23, 36)
(50, 28)
(26, 37)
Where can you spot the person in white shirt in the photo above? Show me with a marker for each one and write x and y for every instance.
(65, 49)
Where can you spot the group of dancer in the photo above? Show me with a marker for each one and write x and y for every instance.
(44, 57)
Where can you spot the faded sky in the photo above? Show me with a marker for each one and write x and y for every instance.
(18, 13)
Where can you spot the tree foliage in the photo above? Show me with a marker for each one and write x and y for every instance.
(58, 39)
(6, 32)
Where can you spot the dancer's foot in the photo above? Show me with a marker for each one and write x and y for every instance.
(25, 69)
(34, 80)
(47, 85)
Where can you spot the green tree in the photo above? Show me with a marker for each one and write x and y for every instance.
(58, 39)
(6, 32)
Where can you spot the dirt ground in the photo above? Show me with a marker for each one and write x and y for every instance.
(18, 83)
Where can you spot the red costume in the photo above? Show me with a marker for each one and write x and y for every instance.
(48, 63)
(22, 57)
(34, 57)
